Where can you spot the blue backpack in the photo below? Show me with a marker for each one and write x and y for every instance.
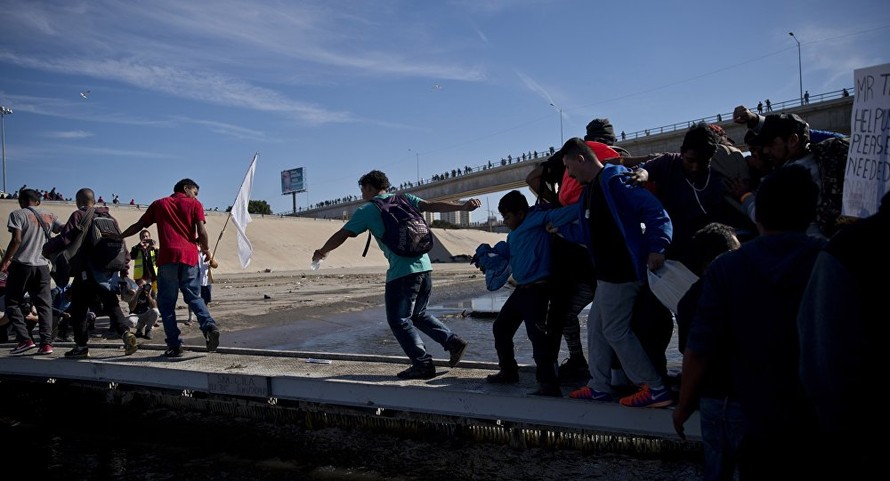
(405, 231)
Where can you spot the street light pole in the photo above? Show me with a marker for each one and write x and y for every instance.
(561, 141)
(417, 157)
(3, 113)
(799, 67)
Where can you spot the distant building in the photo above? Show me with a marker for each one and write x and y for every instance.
(461, 218)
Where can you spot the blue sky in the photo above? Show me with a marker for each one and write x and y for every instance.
(193, 89)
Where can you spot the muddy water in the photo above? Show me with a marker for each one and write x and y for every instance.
(366, 332)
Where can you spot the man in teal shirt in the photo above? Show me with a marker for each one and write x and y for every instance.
(408, 279)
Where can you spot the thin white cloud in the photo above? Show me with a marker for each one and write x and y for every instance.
(228, 129)
(835, 53)
(68, 134)
(535, 87)
(481, 35)
(206, 87)
(192, 40)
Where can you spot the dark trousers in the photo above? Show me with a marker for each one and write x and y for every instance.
(84, 292)
(569, 298)
(206, 293)
(33, 280)
(528, 303)
(653, 324)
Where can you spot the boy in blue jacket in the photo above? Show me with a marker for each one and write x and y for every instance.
(528, 253)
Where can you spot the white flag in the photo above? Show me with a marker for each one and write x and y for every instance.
(240, 216)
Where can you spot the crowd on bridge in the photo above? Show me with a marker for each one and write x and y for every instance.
(453, 173)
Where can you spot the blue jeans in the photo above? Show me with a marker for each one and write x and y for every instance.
(609, 330)
(406, 300)
(172, 279)
(722, 428)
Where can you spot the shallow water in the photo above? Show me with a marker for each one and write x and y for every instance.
(366, 332)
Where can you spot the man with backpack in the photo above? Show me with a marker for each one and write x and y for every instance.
(395, 221)
(91, 242)
(28, 271)
(180, 220)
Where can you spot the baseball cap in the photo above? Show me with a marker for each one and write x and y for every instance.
(782, 125)
(600, 130)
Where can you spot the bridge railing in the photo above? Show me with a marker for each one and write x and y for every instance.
(540, 155)
(727, 116)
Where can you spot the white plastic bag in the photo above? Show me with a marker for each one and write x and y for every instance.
(670, 283)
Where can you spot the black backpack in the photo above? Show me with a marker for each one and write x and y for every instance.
(405, 231)
(106, 251)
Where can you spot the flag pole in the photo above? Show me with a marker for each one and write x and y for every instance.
(223, 231)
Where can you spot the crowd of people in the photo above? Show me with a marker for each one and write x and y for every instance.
(89, 283)
(764, 233)
(772, 345)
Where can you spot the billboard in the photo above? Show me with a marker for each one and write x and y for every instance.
(292, 181)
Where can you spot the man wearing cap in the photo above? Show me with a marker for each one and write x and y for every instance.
(784, 139)
(741, 115)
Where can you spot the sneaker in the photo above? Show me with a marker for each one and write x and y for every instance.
(457, 348)
(590, 394)
(503, 377)
(648, 398)
(23, 347)
(212, 338)
(138, 333)
(418, 371)
(548, 390)
(574, 369)
(45, 349)
(129, 343)
(173, 351)
(147, 335)
(79, 352)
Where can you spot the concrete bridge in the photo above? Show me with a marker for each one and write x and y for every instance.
(830, 112)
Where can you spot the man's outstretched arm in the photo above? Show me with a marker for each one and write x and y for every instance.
(469, 205)
(335, 241)
(133, 229)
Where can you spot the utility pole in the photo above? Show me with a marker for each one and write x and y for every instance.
(799, 67)
(3, 113)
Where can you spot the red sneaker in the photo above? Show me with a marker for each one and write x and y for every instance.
(648, 398)
(45, 349)
(23, 347)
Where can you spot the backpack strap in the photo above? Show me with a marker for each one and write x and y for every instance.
(41, 221)
(367, 244)
(85, 222)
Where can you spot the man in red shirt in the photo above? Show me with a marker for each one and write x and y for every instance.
(180, 225)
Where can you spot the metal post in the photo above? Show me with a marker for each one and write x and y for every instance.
(561, 139)
(3, 113)
(799, 67)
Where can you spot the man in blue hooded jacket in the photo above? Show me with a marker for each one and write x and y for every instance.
(632, 233)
